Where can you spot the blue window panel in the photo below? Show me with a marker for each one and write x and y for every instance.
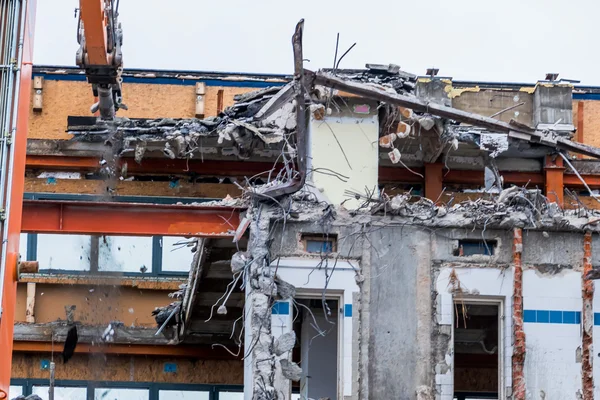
(319, 246)
(347, 310)
(569, 317)
(529, 316)
(578, 317)
(473, 247)
(281, 308)
(556, 317)
(596, 319)
(543, 316)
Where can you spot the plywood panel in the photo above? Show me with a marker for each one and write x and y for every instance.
(95, 305)
(591, 122)
(133, 188)
(100, 367)
(64, 98)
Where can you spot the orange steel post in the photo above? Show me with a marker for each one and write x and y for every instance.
(9, 297)
(433, 181)
(94, 25)
(554, 171)
(44, 216)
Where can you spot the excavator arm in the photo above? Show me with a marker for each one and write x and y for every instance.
(100, 38)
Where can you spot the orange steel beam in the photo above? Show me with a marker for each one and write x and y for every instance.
(94, 25)
(146, 350)
(17, 184)
(154, 165)
(554, 182)
(128, 219)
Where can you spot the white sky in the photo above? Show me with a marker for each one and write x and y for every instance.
(485, 40)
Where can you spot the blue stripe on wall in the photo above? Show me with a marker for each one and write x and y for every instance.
(168, 81)
(347, 310)
(281, 308)
(555, 317)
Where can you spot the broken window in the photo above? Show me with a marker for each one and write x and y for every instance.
(120, 254)
(176, 254)
(475, 247)
(477, 355)
(322, 244)
(64, 252)
(128, 254)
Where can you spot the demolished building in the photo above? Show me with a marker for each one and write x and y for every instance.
(439, 229)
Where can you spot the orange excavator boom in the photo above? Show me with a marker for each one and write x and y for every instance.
(100, 38)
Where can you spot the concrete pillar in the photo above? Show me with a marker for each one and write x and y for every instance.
(554, 177)
(259, 362)
(433, 181)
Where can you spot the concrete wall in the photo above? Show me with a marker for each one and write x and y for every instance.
(399, 347)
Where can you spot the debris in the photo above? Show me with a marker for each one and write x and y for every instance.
(239, 261)
(290, 370)
(285, 343)
(108, 335)
(70, 344)
(395, 156)
(285, 290)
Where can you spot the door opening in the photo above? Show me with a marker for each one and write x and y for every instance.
(477, 353)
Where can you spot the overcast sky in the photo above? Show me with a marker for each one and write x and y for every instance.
(484, 40)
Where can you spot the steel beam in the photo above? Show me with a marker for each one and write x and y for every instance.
(134, 219)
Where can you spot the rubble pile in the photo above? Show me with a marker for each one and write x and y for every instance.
(512, 207)
(243, 125)
(389, 76)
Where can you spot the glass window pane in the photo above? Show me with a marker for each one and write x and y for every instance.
(68, 252)
(14, 391)
(176, 256)
(231, 395)
(61, 392)
(125, 254)
(23, 246)
(182, 395)
(120, 394)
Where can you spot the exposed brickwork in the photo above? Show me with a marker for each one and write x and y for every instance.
(518, 357)
(587, 316)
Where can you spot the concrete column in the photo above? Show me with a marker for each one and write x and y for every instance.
(433, 181)
(554, 179)
(259, 362)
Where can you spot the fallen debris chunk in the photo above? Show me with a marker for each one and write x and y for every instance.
(285, 343)
(290, 370)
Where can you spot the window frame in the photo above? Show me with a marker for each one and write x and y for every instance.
(153, 388)
(315, 237)
(155, 270)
